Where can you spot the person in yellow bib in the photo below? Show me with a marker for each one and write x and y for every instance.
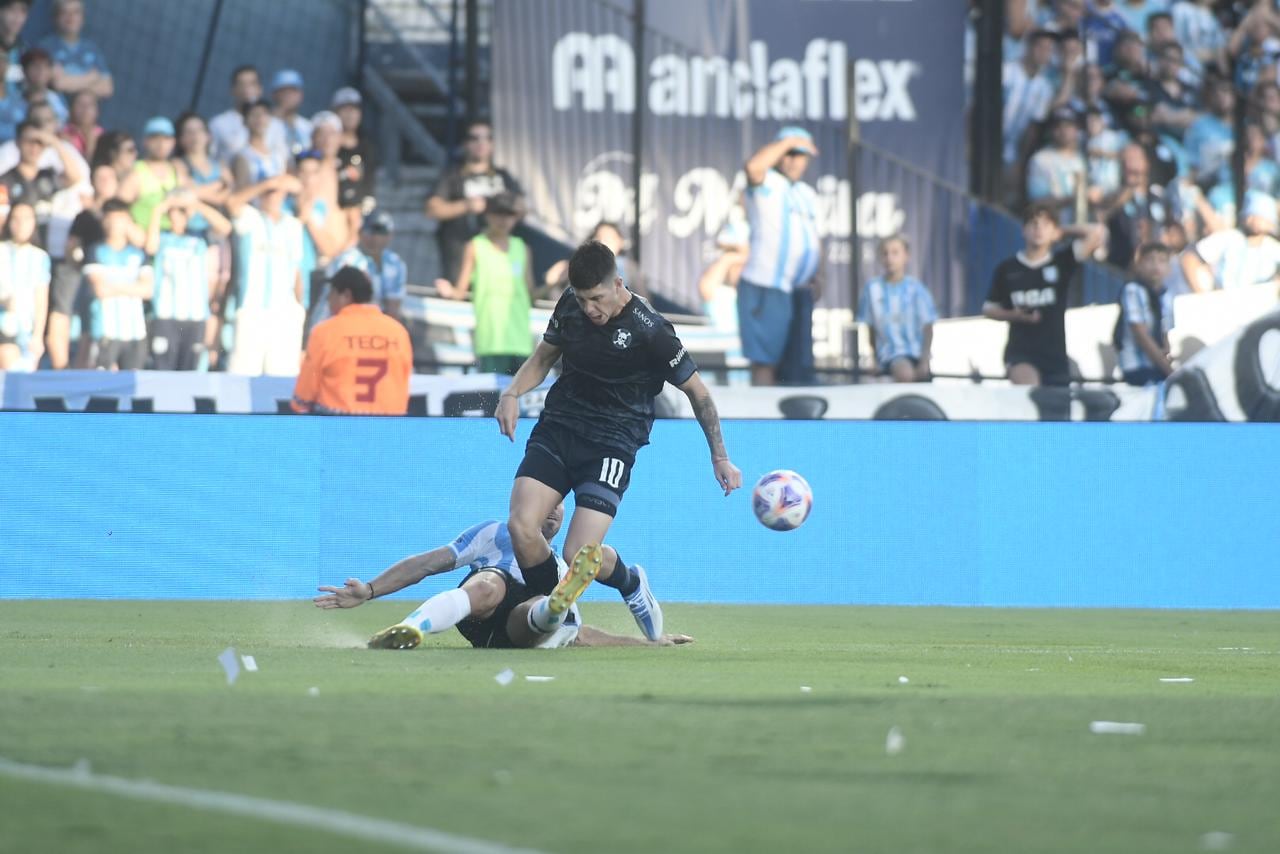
(497, 274)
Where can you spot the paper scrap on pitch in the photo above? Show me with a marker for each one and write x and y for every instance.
(894, 742)
(250, 663)
(1217, 840)
(1116, 728)
(506, 677)
(539, 678)
(805, 689)
(313, 691)
(902, 680)
(230, 664)
(1176, 679)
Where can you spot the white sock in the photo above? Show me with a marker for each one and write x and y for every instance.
(541, 619)
(441, 612)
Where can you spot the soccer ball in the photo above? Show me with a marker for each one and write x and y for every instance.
(782, 500)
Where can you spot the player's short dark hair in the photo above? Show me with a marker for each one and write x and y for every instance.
(253, 105)
(1155, 16)
(349, 280)
(111, 206)
(1151, 248)
(591, 265)
(25, 125)
(1036, 210)
(245, 69)
(1036, 35)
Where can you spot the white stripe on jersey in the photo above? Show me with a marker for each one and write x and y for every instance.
(24, 269)
(1026, 100)
(785, 248)
(271, 258)
(182, 278)
(119, 318)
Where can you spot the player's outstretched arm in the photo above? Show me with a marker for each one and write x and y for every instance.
(591, 636)
(531, 373)
(704, 409)
(409, 571)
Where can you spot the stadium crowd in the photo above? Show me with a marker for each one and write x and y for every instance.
(200, 245)
(194, 245)
(1124, 112)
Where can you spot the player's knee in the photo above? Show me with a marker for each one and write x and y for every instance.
(486, 592)
(524, 532)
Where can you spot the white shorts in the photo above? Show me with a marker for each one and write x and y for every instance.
(268, 341)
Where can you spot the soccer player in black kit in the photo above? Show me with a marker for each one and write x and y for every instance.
(1029, 291)
(618, 352)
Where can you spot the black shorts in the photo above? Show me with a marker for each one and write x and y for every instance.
(7, 339)
(597, 475)
(1052, 372)
(121, 355)
(176, 345)
(65, 287)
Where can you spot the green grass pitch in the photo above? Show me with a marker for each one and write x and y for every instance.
(711, 747)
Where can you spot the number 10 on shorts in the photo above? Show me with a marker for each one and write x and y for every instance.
(611, 471)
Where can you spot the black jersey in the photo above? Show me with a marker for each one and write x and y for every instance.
(611, 374)
(1042, 288)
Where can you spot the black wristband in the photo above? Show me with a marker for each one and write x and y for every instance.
(371, 593)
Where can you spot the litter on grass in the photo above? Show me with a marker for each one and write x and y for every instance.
(805, 689)
(1217, 840)
(1116, 728)
(902, 680)
(313, 691)
(894, 742)
(539, 678)
(506, 677)
(250, 663)
(1176, 679)
(230, 664)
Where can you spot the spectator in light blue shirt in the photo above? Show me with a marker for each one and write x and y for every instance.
(900, 314)
(373, 257)
(1146, 316)
(13, 17)
(37, 74)
(78, 64)
(1210, 139)
(13, 106)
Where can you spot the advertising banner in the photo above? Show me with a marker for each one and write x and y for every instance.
(719, 79)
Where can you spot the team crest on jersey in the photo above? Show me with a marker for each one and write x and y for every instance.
(1050, 274)
(621, 339)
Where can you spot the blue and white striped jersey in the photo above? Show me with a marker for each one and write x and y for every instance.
(785, 248)
(270, 259)
(24, 270)
(119, 318)
(1026, 101)
(487, 546)
(898, 312)
(182, 278)
(1135, 307)
(389, 280)
(1198, 31)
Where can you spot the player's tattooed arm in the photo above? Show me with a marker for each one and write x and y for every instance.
(704, 409)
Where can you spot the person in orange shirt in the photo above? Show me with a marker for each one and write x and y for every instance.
(358, 361)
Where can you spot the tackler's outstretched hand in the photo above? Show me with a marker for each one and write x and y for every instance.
(727, 475)
(354, 592)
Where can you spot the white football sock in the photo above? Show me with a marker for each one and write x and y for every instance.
(441, 612)
(541, 619)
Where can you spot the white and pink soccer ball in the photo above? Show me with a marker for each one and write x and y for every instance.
(782, 500)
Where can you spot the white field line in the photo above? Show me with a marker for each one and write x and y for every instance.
(282, 812)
